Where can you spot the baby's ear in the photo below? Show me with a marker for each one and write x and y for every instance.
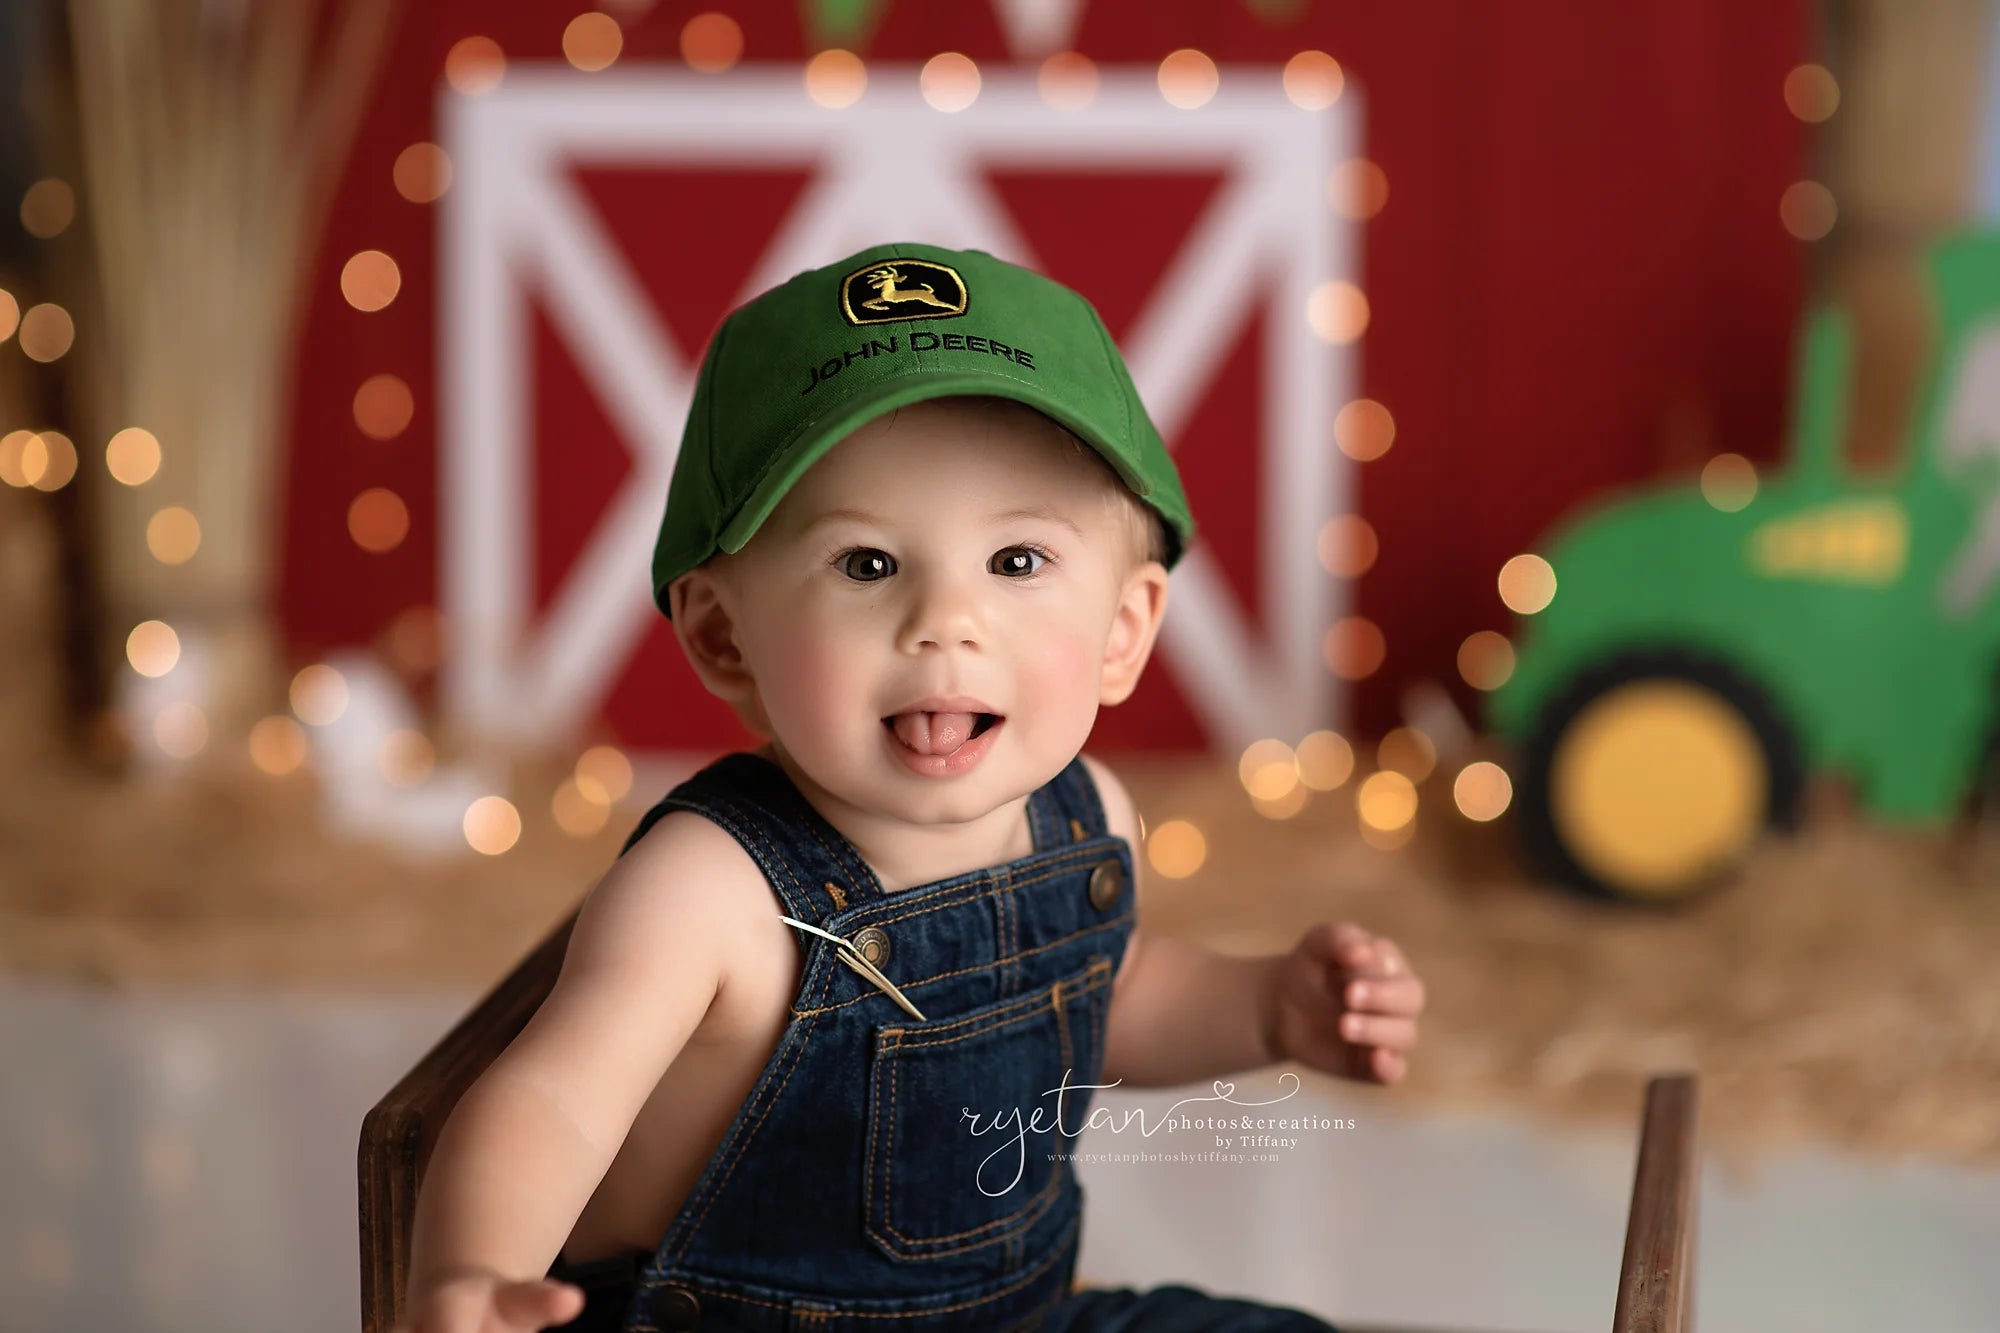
(703, 623)
(1142, 604)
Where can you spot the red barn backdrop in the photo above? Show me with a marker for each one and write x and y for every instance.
(1579, 280)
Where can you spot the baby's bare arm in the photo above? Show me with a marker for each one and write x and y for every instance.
(1179, 1012)
(532, 1137)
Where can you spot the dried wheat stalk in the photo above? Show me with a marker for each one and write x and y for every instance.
(211, 133)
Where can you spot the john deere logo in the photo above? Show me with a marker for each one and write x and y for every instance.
(902, 289)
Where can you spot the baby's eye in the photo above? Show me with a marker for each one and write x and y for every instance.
(866, 565)
(1016, 561)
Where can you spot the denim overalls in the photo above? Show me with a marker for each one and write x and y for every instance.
(887, 1173)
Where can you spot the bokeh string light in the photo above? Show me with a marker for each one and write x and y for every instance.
(173, 535)
(1354, 648)
(1482, 791)
(603, 774)
(1067, 81)
(378, 520)
(1337, 312)
(370, 280)
(1811, 93)
(422, 173)
(278, 745)
(1325, 759)
(1358, 189)
(407, 757)
(152, 648)
(835, 78)
(132, 456)
(319, 695)
(949, 81)
(47, 332)
(1729, 482)
(1188, 79)
(10, 314)
(13, 458)
(592, 41)
(1176, 849)
(44, 460)
(48, 207)
(1408, 751)
(711, 43)
(1364, 430)
(1268, 770)
(1313, 80)
(574, 812)
(474, 66)
(383, 407)
(1347, 546)
(492, 825)
(1527, 584)
(1486, 660)
(1807, 210)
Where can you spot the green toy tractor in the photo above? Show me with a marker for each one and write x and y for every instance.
(1696, 664)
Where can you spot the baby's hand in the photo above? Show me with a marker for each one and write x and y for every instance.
(1346, 1001)
(485, 1302)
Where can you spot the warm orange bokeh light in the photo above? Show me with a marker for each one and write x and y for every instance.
(1067, 81)
(475, 65)
(835, 78)
(592, 41)
(711, 43)
(1188, 79)
(422, 173)
(1355, 648)
(949, 81)
(378, 520)
(1337, 311)
(370, 280)
(383, 407)
(1364, 430)
(1313, 80)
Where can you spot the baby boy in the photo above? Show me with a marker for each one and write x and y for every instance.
(827, 1030)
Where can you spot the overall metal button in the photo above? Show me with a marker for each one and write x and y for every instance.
(873, 942)
(1106, 883)
(676, 1307)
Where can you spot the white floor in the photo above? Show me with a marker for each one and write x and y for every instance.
(187, 1162)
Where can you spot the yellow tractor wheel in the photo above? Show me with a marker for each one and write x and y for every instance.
(1654, 774)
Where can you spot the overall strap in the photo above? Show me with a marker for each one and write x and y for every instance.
(1068, 809)
(813, 870)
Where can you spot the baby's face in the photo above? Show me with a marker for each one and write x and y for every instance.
(927, 611)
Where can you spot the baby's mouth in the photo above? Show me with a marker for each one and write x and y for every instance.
(938, 733)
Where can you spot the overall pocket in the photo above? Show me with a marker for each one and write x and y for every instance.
(962, 1116)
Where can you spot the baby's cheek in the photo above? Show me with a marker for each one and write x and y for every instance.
(809, 689)
(1060, 668)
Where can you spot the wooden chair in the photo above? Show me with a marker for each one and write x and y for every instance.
(1655, 1281)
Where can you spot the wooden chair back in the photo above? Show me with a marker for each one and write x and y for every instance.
(398, 1135)
(1655, 1281)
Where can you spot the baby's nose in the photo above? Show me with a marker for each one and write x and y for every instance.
(943, 614)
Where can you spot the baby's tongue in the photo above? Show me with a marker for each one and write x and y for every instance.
(934, 733)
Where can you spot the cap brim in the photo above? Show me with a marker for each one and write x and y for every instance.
(811, 444)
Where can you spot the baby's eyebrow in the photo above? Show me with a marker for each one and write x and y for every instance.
(1048, 512)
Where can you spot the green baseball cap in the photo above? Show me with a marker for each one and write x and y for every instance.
(808, 362)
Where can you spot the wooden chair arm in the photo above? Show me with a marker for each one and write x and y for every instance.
(398, 1134)
(1656, 1279)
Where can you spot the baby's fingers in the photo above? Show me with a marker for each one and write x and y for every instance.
(1396, 1034)
(1402, 996)
(537, 1305)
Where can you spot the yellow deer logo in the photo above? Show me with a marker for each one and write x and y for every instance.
(888, 294)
